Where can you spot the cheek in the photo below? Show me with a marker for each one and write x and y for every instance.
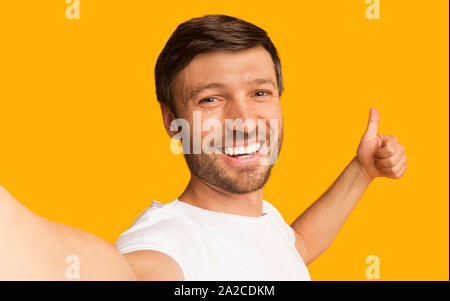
(271, 110)
(274, 116)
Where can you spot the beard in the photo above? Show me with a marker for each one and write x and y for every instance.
(248, 178)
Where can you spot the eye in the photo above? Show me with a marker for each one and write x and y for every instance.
(262, 93)
(208, 100)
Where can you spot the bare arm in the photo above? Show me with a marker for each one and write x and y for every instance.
(317, 227)
(33, 248)
(152, 265)
(377, 156)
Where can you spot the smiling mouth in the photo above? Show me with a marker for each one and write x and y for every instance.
(243, 151)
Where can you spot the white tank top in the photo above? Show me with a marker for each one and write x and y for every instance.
(210, 245)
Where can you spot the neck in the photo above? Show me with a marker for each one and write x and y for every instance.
(204, 195)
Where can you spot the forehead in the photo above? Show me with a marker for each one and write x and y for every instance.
(233, 68)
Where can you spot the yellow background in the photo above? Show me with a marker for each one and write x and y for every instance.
(82, 140)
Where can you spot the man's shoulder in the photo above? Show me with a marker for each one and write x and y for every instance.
(160, 223)
(157, 212)
(271, 209)
(162, 233)
(286, 229)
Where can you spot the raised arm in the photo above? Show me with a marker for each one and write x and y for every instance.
(377, 156)
(33, 248)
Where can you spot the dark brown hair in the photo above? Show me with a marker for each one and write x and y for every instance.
(202, 35)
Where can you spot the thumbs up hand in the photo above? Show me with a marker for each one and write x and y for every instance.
(381, 155)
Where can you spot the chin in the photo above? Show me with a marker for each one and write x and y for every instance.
(246, 181)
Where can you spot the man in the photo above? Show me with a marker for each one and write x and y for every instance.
(219, 228)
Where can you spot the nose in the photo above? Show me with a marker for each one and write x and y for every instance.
(241, 108)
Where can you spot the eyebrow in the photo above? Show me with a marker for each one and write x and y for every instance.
(213, 85)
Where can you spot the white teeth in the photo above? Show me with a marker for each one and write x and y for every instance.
(241, 150)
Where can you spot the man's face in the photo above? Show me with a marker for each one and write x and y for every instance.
(232, 85)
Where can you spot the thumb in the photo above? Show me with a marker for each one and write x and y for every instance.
(372, 126)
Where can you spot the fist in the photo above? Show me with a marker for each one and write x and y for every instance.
(381, 155)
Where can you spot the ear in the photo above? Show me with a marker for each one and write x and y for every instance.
(168, 117)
